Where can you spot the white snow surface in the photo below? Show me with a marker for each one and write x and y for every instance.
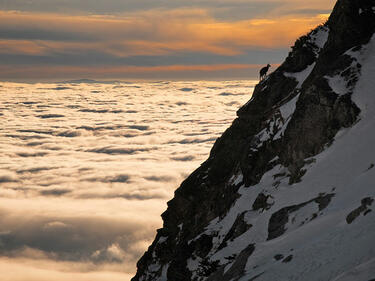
(277, 125)
(288, 108)
(327, 247)
(338, 82)
(286, 111)
(320, 37)
(365, 271)
(300, 76)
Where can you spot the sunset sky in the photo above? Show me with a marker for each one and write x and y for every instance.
(52, 40)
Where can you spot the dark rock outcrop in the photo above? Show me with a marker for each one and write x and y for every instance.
(363, 209)
(278, 220)
(261, 202)
(236, 270)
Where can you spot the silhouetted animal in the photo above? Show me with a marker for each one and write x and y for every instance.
(263, 72)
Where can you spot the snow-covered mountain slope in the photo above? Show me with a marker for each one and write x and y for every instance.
(288, 190)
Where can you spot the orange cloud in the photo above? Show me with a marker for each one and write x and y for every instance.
(21, 47)
(256, 33)
(152, 33)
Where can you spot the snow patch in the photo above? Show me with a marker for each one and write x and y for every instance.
(162, 239)
(163, 276)
(338, 84)
(193, 265)
(320, 37)
(300, 77)
(238, 179)
(342, 83)
(288, 108)
(286, 111)
(364, 271)
(364, 93)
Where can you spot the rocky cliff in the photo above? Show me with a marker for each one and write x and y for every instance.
(287, 191)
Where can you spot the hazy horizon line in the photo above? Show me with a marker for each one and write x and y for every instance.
(113, 81)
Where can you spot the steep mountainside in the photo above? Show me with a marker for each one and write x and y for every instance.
(287, 191)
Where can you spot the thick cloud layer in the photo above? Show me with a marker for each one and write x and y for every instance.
(87, 169)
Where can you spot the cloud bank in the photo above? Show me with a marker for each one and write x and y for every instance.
(82, 190)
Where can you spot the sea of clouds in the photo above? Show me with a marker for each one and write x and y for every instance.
(86, 169)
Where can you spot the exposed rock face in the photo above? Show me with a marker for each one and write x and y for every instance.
(278, 220)
(266, 178)
(363, 209)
